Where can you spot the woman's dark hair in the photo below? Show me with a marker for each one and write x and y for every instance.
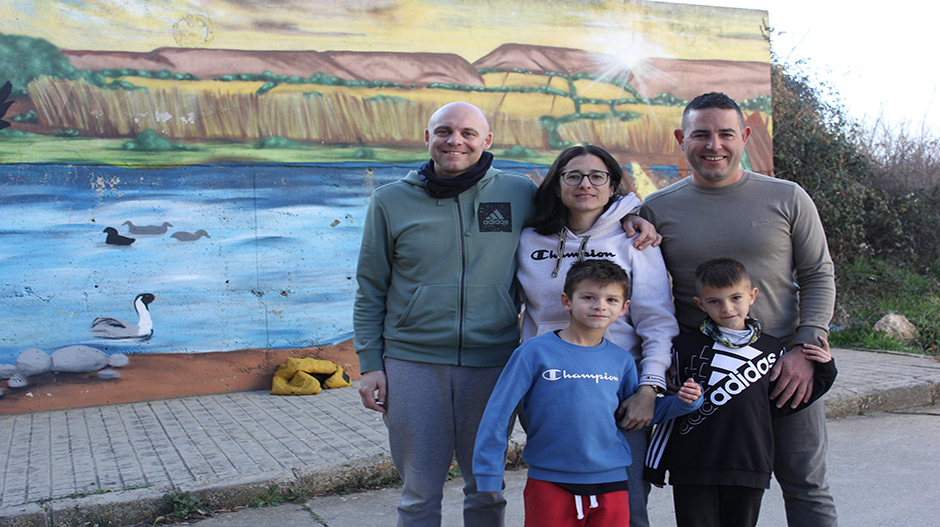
(551, 215)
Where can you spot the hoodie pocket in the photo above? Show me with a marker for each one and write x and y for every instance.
(492, 317)
(430, 317)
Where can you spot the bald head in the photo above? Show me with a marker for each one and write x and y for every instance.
(461, 107)
(456, 137)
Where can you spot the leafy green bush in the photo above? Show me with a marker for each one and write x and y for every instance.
(276, 141)
(151, 141)
(29, 117)
(26, 58)
(15, 134)
(518, 152)
(364, 153)
(878, 196)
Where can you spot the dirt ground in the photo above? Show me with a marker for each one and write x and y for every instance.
(166, 375)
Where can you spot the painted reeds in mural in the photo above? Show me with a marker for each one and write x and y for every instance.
(208, 110)
(536, 97)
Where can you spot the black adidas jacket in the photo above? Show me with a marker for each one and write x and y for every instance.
(729, 440)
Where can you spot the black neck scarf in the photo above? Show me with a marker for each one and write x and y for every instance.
(438, 187)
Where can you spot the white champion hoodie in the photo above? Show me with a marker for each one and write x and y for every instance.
(649, 326)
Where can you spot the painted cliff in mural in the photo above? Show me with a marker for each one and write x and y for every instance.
(184, 184)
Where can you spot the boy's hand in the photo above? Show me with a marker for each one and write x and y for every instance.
(633, 225)
(690, 391)
(818, 353)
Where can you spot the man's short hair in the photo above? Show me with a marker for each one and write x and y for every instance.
(708, 100)
(599, 271)
(720, 273)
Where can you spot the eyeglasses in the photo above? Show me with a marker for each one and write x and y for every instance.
(574, 178)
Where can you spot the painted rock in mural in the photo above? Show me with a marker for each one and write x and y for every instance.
(78, 359)
(118, 360)
(18, 381)
(33, 362)
(109, 374)
(7, 371)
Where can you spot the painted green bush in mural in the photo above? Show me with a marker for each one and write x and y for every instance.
(26, 58)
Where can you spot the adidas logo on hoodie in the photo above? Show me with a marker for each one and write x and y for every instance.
(495, 217)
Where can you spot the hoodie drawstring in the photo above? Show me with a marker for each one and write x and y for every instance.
(560, 252)
(580, 508)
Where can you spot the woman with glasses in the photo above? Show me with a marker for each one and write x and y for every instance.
(579, 209)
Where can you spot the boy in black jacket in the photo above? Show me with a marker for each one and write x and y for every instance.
(720, 457)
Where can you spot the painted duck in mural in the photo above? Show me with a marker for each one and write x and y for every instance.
(115, 328)
(184, 236)
(116, 239)
(147, 229)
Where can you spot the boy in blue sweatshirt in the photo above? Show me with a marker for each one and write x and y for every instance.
(571, 383)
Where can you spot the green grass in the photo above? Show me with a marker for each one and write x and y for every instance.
(870, 289)
(67, 150)
(184, 505)
(271, 498)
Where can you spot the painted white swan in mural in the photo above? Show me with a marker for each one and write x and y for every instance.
(115, 328)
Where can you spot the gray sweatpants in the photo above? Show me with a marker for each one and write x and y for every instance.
(432, 412)
(800, 442)
(638, 489)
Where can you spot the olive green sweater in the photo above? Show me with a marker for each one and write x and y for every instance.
(772, 227)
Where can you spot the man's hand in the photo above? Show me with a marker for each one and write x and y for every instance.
(372, 382)
(633, 224)
(794, 375)
(636, 412)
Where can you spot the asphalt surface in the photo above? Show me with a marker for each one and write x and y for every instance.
(117, 462)
(882, 471)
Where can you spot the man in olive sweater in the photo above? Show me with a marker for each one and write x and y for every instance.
(773, 228)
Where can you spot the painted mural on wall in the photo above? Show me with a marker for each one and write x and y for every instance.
(184, 183)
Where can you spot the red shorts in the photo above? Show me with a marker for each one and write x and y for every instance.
(548, 505)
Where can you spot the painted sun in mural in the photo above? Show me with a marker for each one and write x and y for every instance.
(193, 31)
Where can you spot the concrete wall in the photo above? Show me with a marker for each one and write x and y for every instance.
(199, 170)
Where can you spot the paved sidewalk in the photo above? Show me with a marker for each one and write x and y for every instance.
(62, 467)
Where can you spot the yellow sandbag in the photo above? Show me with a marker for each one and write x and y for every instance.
(339, 379)
(306, 377)
(300, 384)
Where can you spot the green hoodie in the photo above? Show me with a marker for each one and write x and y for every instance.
(436, 276)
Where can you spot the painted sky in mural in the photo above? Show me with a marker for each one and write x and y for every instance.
(629, 30)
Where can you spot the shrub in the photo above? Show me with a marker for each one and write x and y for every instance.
(151, 141)
(878, 195)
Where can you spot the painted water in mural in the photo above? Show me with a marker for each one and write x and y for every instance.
(237, 256)
(225, 278)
